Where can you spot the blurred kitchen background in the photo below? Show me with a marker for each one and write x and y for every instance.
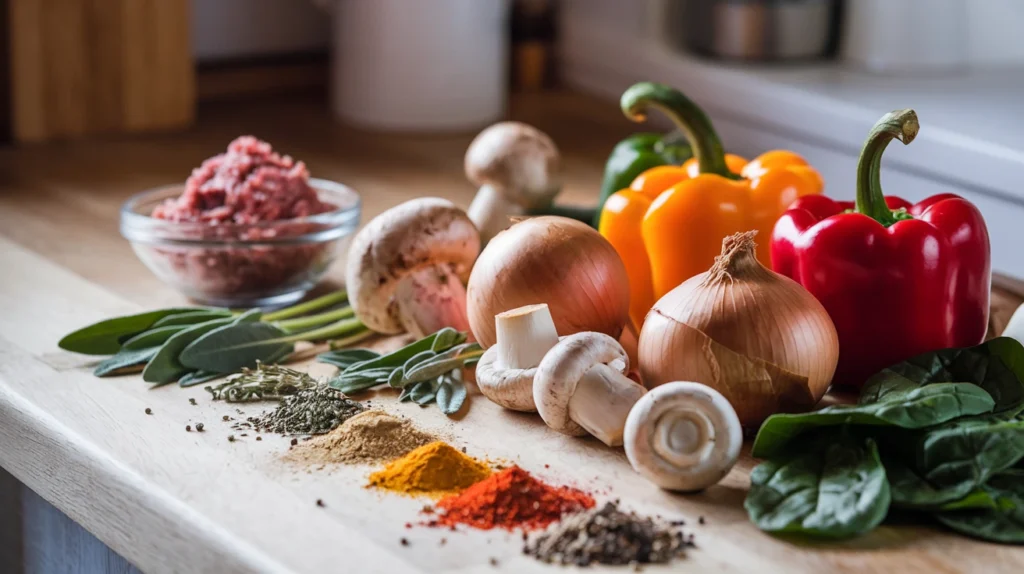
(807, 75)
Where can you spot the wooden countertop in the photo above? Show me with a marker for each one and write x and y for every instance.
(173, 501)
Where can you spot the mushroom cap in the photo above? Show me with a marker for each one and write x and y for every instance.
(509, 388)
(563, 367)
(683, 436)
(518, 160)
(408, 237)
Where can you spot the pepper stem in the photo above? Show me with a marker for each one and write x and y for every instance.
(898, 124)
(691, 120)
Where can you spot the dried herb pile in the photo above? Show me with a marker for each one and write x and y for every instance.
(510, 499)
(608, 535)
(314, 410)
(368, 437)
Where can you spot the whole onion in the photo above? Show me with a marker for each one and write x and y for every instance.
(553, 260)
(757, 337)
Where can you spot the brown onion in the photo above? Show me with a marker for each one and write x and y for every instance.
(553, 260)
(757, 337)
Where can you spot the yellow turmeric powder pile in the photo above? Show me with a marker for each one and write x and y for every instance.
(434, 469)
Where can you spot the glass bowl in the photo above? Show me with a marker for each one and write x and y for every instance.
(265, 264)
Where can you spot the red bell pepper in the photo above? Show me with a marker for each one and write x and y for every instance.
(897, 279)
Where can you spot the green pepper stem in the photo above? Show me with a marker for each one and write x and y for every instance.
(690, 119)
(897, 124)
(328, 300)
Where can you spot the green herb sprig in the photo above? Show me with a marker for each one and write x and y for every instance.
(428, 370)
(941, 434)
(265, 382)
(192, 345)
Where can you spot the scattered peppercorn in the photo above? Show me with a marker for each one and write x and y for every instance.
(231, 438)
(149, 411)
(192, 402)
(700, 520)
(444, 541)
(259, 438)
(188, 428)
(295, 441)
(463, 450)
(494, 561)
(227, 418)
(404, 541)
(320, 502)
(199, 427)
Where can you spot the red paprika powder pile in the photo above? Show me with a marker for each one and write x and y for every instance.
(510, 499)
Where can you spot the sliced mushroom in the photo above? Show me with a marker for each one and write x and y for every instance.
(407, 268)
(506, 370)
(516, 167)
(580, 387)
(683, 436)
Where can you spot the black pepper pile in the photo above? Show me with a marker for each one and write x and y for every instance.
(316, 410)
(607, 535)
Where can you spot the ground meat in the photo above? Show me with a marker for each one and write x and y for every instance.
(247, 184)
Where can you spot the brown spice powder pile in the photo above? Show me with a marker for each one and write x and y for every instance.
(369, 437)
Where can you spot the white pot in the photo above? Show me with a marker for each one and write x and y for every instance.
(421, 65)
(905, 36)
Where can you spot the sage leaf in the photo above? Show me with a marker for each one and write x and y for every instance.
(1002, 523)
(125, 361)
(417, 359)
(198, 377)
(343, 358)
(104, 337)
(445, 338)
(442, 363)
(836, 490)
(396, 358)
(152, 338)
(395, 379)
(923, 406)
(166, 366)
(996, 365)
(192, 317)
(424, 392)
(451, 395)
(233, 347)
(406, 394)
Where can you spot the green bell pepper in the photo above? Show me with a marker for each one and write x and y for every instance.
(635, 155)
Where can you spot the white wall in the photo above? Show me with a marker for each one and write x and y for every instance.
(239, 28)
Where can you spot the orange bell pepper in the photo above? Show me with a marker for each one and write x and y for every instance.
(669, 224)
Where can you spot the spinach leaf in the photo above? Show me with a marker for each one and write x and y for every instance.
(1003, 523)
(921, 407)
(996, 365)
(836, 489)
(343, 358)
(230, 348)
(104, 338)
(165, 365)
(125, 361)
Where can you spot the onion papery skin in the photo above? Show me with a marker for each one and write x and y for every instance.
(553, 260)
(755, 336)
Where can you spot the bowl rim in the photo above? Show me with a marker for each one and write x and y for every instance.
(329, 225)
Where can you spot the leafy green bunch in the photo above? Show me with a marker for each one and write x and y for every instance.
(192, 345)
(428, 370)
(941, 434)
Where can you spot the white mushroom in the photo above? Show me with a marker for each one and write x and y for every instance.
(407, 268)
(516, 167)
(506, 370)
(580, 387)
(683, 436)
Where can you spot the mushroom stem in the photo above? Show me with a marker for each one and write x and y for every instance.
(430, 299)
(491, 212)
(525, 335)
(602, 402)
